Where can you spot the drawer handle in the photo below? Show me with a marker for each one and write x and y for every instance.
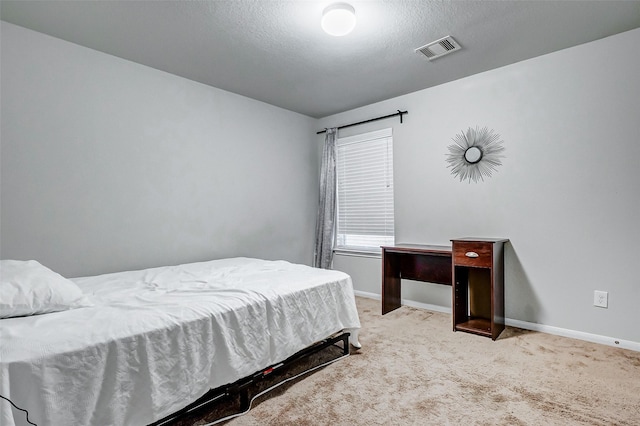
(471, 254)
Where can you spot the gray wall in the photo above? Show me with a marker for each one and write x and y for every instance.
(567, 195)
(108, 165)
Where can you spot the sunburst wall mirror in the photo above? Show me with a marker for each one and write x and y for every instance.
(476, 154)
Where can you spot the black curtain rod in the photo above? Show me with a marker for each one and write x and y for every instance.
(400, 113)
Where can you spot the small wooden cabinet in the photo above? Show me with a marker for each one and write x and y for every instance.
(478, 285)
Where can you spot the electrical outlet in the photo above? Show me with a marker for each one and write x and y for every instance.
(600, 298)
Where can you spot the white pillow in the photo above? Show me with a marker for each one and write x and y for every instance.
(27, 288)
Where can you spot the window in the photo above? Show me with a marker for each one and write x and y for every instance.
(365, 191)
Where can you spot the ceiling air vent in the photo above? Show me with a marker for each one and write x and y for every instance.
(439, 48)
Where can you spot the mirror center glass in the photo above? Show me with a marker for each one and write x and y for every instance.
(473, 154)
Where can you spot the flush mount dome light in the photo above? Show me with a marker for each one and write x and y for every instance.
(338, 19)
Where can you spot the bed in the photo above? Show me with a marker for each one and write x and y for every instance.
(140, 345)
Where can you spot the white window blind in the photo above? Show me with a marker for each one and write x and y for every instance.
(365, 191)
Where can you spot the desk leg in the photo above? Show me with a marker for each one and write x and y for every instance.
(390, 284)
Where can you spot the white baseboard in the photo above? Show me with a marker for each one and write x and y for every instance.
(368, 295)
(580, 335)
(406, 302)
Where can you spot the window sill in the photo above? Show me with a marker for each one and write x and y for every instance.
(358, 253)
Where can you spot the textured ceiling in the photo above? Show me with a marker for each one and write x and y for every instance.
(276, 52)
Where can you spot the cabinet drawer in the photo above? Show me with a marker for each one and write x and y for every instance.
(478, 254)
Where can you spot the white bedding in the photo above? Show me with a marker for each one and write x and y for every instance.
(156, 340)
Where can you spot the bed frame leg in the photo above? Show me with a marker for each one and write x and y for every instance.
(353, 338)
(244, 399)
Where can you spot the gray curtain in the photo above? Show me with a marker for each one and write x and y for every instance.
(326, 220)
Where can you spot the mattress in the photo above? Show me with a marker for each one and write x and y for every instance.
(157, 339)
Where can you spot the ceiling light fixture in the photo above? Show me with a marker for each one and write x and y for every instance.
(338, 19)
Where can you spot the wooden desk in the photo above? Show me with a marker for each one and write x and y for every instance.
(412, 262)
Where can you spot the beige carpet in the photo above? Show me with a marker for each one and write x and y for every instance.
(414, 370)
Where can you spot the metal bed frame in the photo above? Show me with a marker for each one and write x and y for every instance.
(241, 387)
